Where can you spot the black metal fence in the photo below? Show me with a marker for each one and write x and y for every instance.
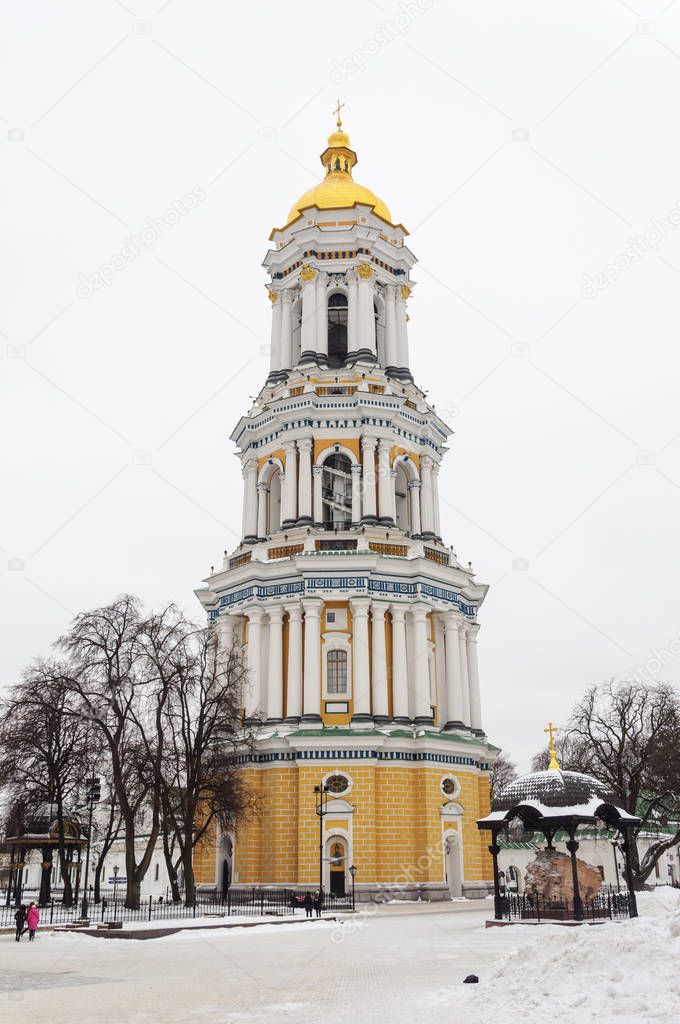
(237, 903)
(606, 905)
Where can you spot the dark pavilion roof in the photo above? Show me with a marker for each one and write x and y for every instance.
(553, 789)
(556, 798)
(41, 824)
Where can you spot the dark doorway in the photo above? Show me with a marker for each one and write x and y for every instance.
(337, 883)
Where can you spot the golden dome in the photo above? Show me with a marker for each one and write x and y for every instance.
(338, 190)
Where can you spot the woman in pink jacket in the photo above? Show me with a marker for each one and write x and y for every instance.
(32, 919)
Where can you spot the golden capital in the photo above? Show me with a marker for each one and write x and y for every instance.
(307, 273)
(405, 292)
(272, 296)
(365, 270)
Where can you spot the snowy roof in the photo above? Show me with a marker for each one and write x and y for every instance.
(557, 796)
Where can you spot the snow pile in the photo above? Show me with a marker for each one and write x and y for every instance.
(624, 971)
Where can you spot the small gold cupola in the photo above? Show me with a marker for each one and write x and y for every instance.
(338, 158)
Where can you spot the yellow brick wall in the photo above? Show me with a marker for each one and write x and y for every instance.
(396, 827)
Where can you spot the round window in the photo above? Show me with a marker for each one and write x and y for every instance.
(337, 784)
(450, 786)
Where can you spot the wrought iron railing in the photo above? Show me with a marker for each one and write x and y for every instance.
(607, 904)
(251, 902)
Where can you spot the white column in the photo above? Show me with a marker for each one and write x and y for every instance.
(435, 499)
(250, 500)
(399, 667)
(275, 359)
(356, 494)
(305, 481)
(391, 327)
(385, 483)
(361, 666)
(440, 671)
(464, 678)
(379, 662)
(454, 693)
(318, 496)
(226, 630)
(366, 311)
(312, 663)
(352, 311)
(426, 510)
(262, 502)
(253, 702)
(321, 318)
(419, 665)
(275, 666)
(402, 329)
(286, 329)
(294, 678)
(308, 335)
(368, 445)
(473, 677)
(414, 498)
(289, 496)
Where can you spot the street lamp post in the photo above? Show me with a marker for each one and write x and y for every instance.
(320, 808)
(353, 871)
(616, 863)
(92, 797)
(116, 869)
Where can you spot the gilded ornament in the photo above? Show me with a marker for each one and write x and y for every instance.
(365, 270)
(405, 292)
(307, 273)
(554, 763)
(272, 296)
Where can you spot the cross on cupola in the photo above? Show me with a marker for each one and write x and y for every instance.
(336, 111)
(552, 730)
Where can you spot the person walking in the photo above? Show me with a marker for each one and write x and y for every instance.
(318, 902)
(20, 922)
(308, 904)
(32, 920)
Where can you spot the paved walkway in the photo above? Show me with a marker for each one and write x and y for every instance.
(402, 962)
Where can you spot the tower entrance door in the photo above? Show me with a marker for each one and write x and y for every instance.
(337, 862)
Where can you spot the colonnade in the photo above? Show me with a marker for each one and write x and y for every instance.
(412, 693)
(373, 488)
(363, 292)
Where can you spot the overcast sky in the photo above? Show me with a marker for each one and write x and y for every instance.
(523, 146)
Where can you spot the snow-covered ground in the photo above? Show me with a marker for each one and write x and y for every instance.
(403, 963)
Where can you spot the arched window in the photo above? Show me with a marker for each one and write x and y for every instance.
(336, 490)
(274, 510)
(296, 313)
(336, 676)
(401, 499)
(337, 329)
(380, 332)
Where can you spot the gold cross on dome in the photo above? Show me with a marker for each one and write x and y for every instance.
(552, 730)
(336, 111)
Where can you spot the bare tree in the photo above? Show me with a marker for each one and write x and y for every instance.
(205, 736)
(121, 670)
(570, 749)
(503, 772)
(44, 751)
(628, 735)
(106, 831)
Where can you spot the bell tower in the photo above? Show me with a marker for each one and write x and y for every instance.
(358, 624)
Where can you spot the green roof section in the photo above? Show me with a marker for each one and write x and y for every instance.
(334, 731)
